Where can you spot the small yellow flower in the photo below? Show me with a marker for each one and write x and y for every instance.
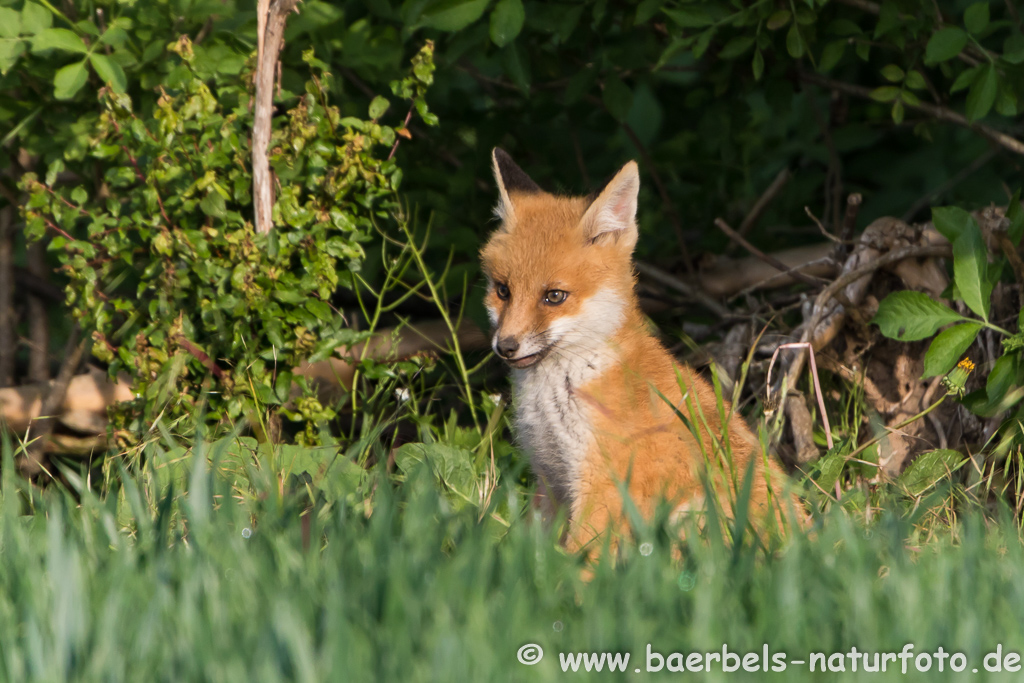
(957, 377)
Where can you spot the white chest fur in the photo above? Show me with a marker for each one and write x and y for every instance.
(553, 422)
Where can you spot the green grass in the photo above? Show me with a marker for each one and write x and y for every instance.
(204, 586)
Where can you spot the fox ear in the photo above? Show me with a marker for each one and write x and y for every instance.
(510, 178)
(611, 217)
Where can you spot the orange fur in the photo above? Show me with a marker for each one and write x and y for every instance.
(604, 425)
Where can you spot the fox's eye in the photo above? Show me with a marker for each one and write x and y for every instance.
(502, 289)
(555, 296)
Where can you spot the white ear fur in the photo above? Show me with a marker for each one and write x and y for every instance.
(612, 216)
(503, 210)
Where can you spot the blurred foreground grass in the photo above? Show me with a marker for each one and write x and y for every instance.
(206, 585)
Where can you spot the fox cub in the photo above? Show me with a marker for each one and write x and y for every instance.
(595, 395)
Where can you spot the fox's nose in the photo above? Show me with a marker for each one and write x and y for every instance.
(507, 347)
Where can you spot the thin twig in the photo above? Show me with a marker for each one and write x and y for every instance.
(686, 289)
(940, 113)
(770, 260)
(764, 200)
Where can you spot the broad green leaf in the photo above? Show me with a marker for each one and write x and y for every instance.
(690, 16)
(887, 93)
(948, 348)
(897, 113)
(35, 18)
(945, 44)
(736, 47)
(1006, 100)
(109, 71)
(830, 467)
(453, 15)
(10, 23)
(794, 42)
(929, 468)
(69, 80)
(647, 9)
(915, 80)
(617, 97)
(910, 316)
(976, 17)
(321, 309)
(757, 65)
(1013, 48)
(970, 266)
(778, 19)
(910, 99)
(831, 55)
(892, 73)
(951, 221)
(964, 80)
(1004, 375)
(703, 41)
(10, 50)
(378, 106)
(58, 39)
(506, 21)
(982, 94)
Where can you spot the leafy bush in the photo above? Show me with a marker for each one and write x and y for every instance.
(164, 266)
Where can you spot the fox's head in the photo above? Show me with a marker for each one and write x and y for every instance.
(559, 269)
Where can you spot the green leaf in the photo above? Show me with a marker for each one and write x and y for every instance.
(647, 9)
(887, 93)
(897, 112)
(320, 309)
(976, 17)
(965, 79)
(10, 23)
(35, 18)
(929, 468)
(378, 106)
(911, 316)
(830, 467)
(1004, 375)
(507, 21)
(617, 97)
(736, 47)
(970, 266)
(10, 51)
(945, 44)
(453, 15)
(58, 39)
(951, 221)
(983, 93)
(910, 99)
(948, 348)
(109, 71)
(778, 19)
(915, 80)
(757, 65)
(213, 205)
(831, 55)
(690, 16)
(1013, 48)
(69, 80)
(795, 42)
(892, 73)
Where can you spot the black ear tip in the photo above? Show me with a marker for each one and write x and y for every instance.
(501, 155)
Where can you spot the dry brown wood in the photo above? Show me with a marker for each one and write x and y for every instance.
(271, 18)
(729, 276)
(38, 321)
(7, 337)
